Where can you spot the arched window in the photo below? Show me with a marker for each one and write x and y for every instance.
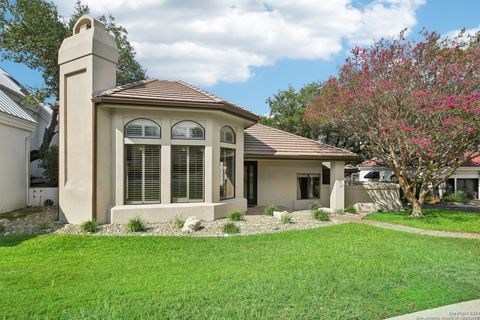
(142, 128)
(189, 130)
(227, 135)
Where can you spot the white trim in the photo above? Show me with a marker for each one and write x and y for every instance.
(16, 122)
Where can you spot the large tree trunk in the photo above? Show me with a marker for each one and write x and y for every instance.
(48, 135)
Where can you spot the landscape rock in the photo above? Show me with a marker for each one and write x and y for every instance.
(366, 207)
(192, 224)
(4, 222)
(279, 214)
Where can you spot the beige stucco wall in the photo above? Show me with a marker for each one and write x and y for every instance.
(277, 182)
(13, 163)
(111, 205)
(87, 62)
(386, 196)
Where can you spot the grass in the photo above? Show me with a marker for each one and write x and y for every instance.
(178, 222)
(236, 216)
(269, 210)
(89, 226)
(320, 215)
(286, 218)
(136, 224)
(230, 228)
(341, 272)
(19, 213)
(433, 219)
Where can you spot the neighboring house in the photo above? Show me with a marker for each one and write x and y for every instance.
(466, 178)
(16, 127)
(42, 115)
(159, 149)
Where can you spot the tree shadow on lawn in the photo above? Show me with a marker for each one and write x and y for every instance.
(15, 240)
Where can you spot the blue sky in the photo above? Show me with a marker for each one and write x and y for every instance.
(248, 71)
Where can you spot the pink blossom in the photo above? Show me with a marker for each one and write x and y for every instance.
(406, 128)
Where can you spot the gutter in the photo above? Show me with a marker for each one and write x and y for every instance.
(27, 169)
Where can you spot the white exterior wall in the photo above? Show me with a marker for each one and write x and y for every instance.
(14, 162)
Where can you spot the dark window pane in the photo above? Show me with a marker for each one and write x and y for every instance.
(227, 173)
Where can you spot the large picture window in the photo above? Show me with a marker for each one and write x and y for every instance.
(189, 130)
(142, 166)
(227, 173)
(187, 177)
(308, 186)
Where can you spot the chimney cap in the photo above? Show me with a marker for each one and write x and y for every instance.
(86, 22)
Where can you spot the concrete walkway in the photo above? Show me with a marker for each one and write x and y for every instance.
(398, 227)
(460, 311)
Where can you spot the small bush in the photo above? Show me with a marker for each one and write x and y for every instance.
(269, 210)
(286, 218)
(315, 205)
(230, 228)
(235, 216)
(2, 228)
(136, 225)
(178, 222)
(89, 226)
(43, 225)
(350, 209)
(320, 215)
(458, 196)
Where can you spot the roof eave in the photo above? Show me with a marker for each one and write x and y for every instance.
(219, 106)
(302, 157)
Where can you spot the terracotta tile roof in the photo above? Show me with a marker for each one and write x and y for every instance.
(171, 91)
(372, 163)
(474, 162)
(266, 142)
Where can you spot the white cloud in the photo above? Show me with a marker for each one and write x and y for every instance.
(208, 41)
(454, 33)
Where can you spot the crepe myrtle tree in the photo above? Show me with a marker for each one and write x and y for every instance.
(415, 105)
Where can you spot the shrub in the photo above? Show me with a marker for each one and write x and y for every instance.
(458, 196)
(89, 226)
(314, 206)
(320, 215)
(269, 210)
(235, 216)
(50, 164)
(178, 222)
(136, 225)
(350, 209)
(230, 228)
(43, 225)
(286, 218)
(2, 228)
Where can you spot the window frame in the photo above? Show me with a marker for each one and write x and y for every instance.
(233, 132)
(234, 174)
(310, 175)
(187, 186)
(143, 129)
(125, 177)
(186, 138)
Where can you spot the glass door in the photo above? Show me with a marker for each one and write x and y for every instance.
(250, 182)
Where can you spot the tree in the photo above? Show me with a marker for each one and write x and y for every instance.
(287, 112)
(415, 105)
(32, 31)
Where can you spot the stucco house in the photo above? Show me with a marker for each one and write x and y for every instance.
(466, 178)
(160, 148)
(16, 128)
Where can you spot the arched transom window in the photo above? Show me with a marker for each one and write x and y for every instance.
(142, 128)
(189, 130)
(227, 135)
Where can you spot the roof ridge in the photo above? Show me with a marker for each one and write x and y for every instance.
(204, 92)
(123, 87)
(304, 138)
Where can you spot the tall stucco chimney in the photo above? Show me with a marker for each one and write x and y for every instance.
(88, 61)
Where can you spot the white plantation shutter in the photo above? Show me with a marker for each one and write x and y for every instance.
(188, 130)
(142, 166)
(227, 135)
(142, 128)
(187, 178)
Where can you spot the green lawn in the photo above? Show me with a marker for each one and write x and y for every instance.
(346, 271)
(433, 219)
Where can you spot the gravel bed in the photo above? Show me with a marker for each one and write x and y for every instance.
(44, 222)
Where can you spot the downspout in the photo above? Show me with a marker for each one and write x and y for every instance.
(27, 169)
